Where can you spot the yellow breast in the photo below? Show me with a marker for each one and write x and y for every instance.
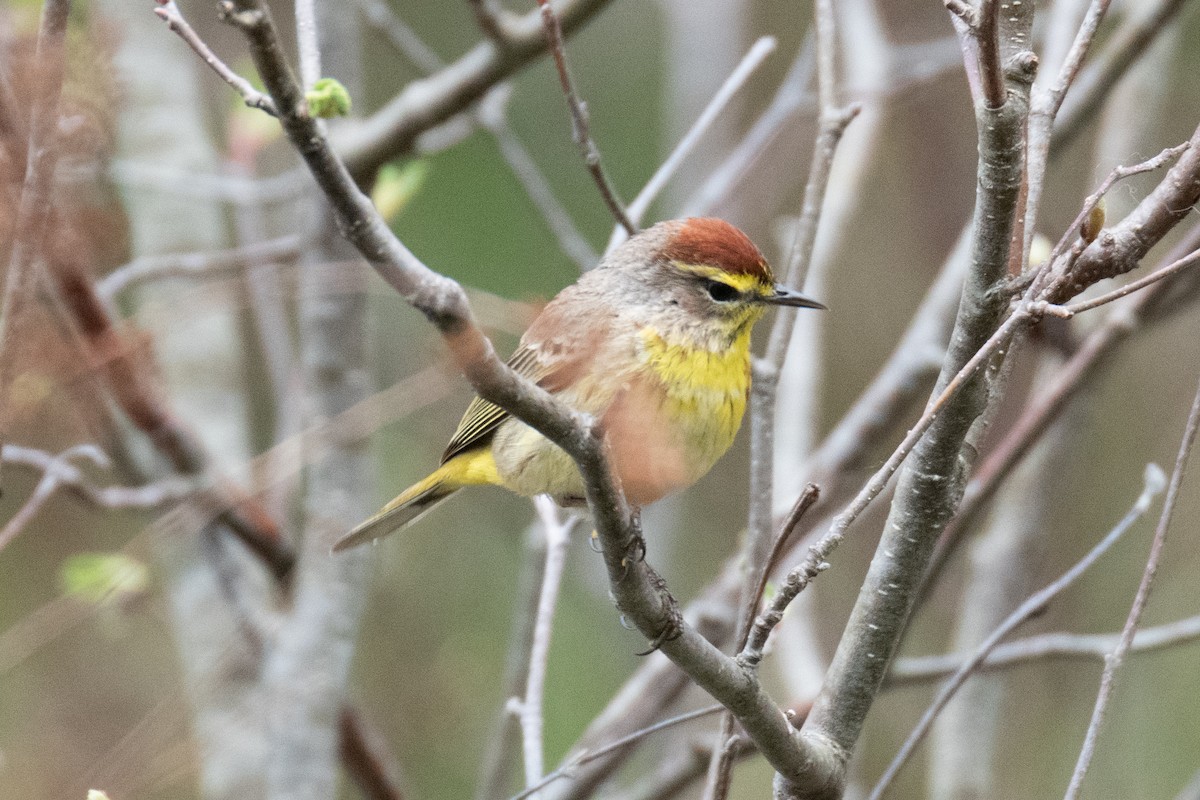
(704, 391)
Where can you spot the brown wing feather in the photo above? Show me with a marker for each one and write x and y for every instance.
(483, 417)
(552, 354)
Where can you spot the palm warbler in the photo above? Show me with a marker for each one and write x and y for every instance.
(655, 343)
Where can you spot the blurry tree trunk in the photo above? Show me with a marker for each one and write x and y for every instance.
(210, 581)
(309, 667)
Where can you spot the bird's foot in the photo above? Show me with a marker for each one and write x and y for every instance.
(672, 623)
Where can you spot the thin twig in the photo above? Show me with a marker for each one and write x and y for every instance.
(205, 264)
(750, 62)
(424, 104)
(494, 119)
(169, 12)
(1045, 101)
(834, 120)
(1153, 483)
(1114, 661)
(492, 115)
(1096, 82)
(384, 19)
(1129, 288)
(1056, 265)
(591, 755)
(579, 120)
(804, 502)
(557, 533)
(920, 669)
(58, 472)
(504, 738)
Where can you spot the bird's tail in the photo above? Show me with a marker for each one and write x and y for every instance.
(472, 468)
(412, 503)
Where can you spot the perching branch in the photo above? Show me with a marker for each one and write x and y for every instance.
(638, 591)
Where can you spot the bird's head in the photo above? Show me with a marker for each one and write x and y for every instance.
(706, 272)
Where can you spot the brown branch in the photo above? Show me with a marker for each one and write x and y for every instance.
(986, 32)
(580, 131)
(1121, 248)
(1075, 374)
(35, 207)
(365, 757)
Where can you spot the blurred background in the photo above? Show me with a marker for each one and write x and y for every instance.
(94, 685)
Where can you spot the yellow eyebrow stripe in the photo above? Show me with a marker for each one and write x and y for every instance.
(743, 283)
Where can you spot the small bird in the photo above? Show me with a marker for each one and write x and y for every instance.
(654, 343)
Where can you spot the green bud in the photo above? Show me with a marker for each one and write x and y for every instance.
(102, 577)
(328, 98)
(396, 186)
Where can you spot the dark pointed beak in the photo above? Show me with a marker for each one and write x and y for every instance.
(790, 297)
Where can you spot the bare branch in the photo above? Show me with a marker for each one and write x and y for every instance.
(1097, 647)
(203, 264)
(1129, 288)
(169, 12)
(1153, 484)
(556, 532)
(928, 488)
(591, 755)
(365, 758)
(1095, 351)
(580, 131)
(1106, 70)
(1115, 659)
(425, 104)
(492, 115)
(987, 35)
(737, 79)
(381, 17)
(1120, 248)
(58, 472)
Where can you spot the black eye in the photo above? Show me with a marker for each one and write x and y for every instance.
(721, 292)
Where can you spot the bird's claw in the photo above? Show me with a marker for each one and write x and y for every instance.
(672, 626)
